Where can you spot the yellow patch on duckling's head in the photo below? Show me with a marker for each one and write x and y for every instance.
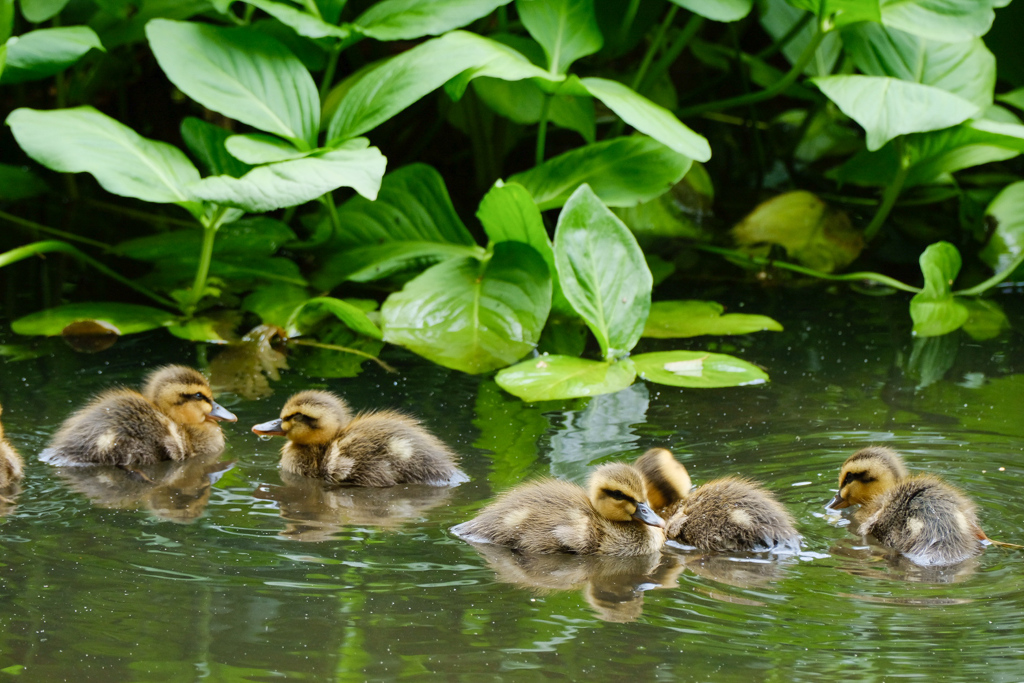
(667, 481)
(619, 493)
(183, 394)
(867, 474)
(314, 417)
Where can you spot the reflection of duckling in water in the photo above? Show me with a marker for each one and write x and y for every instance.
(381, 448)
(921, 517)
(174, 418)
(613, 586)
(11, 468)
(611, 517)
(727, 514)
(315, 511)
(175, 491)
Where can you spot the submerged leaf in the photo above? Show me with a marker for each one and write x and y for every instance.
(90, 336)
(245, 367)
(550, 378)
(124, 318)
(697, 369)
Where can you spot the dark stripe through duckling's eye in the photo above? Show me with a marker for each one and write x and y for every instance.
(194, 397)
(862, 477)
(617, 495)
(301, 417)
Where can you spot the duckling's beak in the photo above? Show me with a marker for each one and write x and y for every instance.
(272, 428)
(220, 414)
(838, 503)
(645, 514)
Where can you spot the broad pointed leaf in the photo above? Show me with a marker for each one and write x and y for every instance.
(303, 23)
(48, 51)
(353, 316)
(566, 29)
(945, 20)
(934, 309)
(411, 19)
(551, 378)
(697, 369)
(256, 148)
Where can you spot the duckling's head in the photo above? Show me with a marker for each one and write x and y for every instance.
(667, 479)
(867, 474)
(184, 395)
(309, 418)
(619, 493)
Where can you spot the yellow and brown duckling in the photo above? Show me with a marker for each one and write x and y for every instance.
(174, 418)
(11, 466)
(610, 517)
(921, 517)
(728, 514)
(381, 448)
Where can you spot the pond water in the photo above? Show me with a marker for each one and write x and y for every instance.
(231, 573)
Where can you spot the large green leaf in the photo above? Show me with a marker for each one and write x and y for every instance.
(252, 237)
(374, 262)
(566, 29)
(47, 51)
(397, 83)
(125, 163)
(1006, 213)
(125, 318)
(316, 308)
(697, 369)
(602, 272)
(275, 303)
(550, 378)
(947, 20)
(649, 118)
(38, 11)
(934, 310)
(241, 73)
(472, 315)
(303, 23)
(718, 10)
(294, 182)
(206, 142)
(674, 319)
(621, 171)
(965, 68)
(887, 107)
(411, 19)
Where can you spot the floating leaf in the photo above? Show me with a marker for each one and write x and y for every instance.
(47, 51)
(934, 309)
(697, 369)
(675, 319)
(122, 318)
(550, 378)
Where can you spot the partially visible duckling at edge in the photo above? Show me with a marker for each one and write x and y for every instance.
(174, 418)
(728, 514)
(921, 517)
(381, 448)
(611, 517)
(11, 467)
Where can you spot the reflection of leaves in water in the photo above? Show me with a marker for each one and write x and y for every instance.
(244, 368)
(932, 358)
(510, 429)
(332, 363)
(604, 427)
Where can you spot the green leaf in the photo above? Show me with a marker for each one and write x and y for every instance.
(331, 363)
(566, 29)
(471, 315)
(551, 378)
(602, 272)
(946, 20)
(934, 310)
(203, 329)
(275, 303)
(126, 318)
(38, 11)
(241, 73)
(678, 213)
(648, 118)
(621, 171)
(674, 319)
(986, 319)
(123, 162)
(718, 10)
(206, 142)
(256, 148)
(779, 18)
(48, 51)
(965, 68)
(887, 107)
(19, 183)
(290, 183)
(316, 308)
(402, 80)
(252, 237)
(1014, 98)
(523, 102)
(411, 19)
(303, 23)
(1006, 213)
(366, 264)
(697, 369)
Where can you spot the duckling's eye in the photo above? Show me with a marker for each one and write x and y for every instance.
(198, 396)
(304, 419)
(856, 476)
(617, 495)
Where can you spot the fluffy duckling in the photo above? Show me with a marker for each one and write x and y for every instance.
(11, 467)
(921, 517)
(174, 418)
(371, 449)
(611, 517)
(728, 514)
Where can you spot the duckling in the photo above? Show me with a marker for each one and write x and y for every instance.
(727, 514)
(921, 517)
(380, 448)
(610, 517)
(174, 418)
(11, 466)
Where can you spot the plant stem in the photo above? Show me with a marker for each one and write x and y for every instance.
(31, 225)
(846, 277)
(210, 227)
(21, 253)
(542, 131)
(655, 45)
(994, 280)
(335, 347)
(776, 88)
(329, 71)
(891, 192)
(673, 51)
(627, 20)
(332, 212)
